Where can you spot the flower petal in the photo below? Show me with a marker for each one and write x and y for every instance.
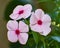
(26, 14)
(19, 17)
(36, 28)
(14, 16)
(12, 25)
(17, 9)
(23, 27)
(12, 37)
(23, 37)
(33, 19)
(47, 23)
(27, 9)
(46, 18)
(39, 13)
(46, 31)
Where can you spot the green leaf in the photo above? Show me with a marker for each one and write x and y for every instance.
(31, 42)
(44, 0)
(26, 1)
(36, 37)
(48, 7)
(57, 38)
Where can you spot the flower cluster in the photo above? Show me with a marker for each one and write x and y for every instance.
(39, 22)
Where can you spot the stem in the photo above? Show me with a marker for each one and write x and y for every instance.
(36, 46)
(26, 21)
(50, 43)
(56, 45)
(44, 44)
(43, 40)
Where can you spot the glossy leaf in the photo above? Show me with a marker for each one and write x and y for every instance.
(44, 0)
(36, 37)
(57, 38)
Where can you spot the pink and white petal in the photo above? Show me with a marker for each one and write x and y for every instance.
(28, 7)
(27, 11)
(23, 37)
(12, 25)
(23, 27)
(39, 13)
(12, 37)
(36, 28)
(46, 18)
(19, 17)
(47, 23)
(17, 9)
(26, 14)
(14, 16)
(46, 31)
(33, 19)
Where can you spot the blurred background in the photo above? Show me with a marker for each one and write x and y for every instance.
(52, 7)
(3, 30)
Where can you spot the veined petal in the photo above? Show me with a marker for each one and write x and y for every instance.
(33, 19)
(12, 25)
(23, 37)
(19, 17)
(14, 16)
(27, 9)
(17, 9)
(46, 31)
(39, 13)
(46, 18)
(47, 23)
(26, 14)
(23, 27)
(12, 37)
(36, 28)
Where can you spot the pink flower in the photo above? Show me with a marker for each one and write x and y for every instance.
(21, 12)
(40, 22)
(17, 32)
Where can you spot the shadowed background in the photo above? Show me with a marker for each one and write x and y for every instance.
(3, 30)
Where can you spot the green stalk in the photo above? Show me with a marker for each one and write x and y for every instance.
(43, 40)
(44, 44)
(36, 46)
